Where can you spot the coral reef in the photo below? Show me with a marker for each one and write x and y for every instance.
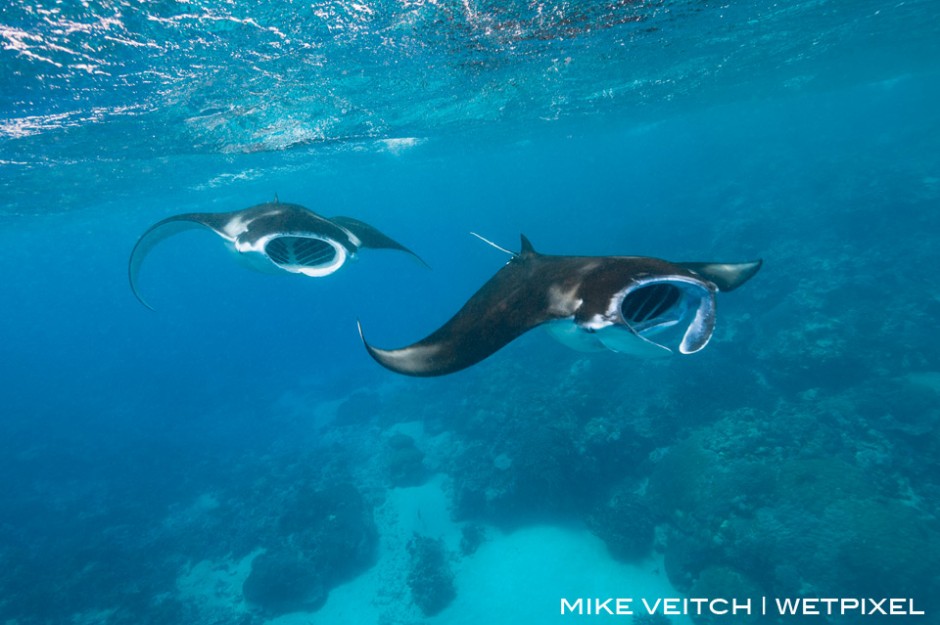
(280, 582)
(472, 535)
(724, 582)
(625, 523)
(801, 519)
(405, 461)
(430, 578)
(333, 528)
(884, 548)
(325, 537)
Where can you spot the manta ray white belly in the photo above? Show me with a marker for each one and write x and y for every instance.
(612, 338)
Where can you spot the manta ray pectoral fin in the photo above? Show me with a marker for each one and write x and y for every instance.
(503, 309)
(371, 237)
(726, 276)
(157, 233)
(418, 360)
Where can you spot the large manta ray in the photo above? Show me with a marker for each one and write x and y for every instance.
(623, 303)
(275, 236)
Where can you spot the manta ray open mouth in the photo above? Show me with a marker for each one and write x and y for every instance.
(679, 312)
(647, 303)
(293, 252)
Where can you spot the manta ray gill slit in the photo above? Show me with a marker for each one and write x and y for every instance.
(300, 251)
(649, 302)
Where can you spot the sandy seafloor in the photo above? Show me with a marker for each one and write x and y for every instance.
(489, 582)
(517, 575)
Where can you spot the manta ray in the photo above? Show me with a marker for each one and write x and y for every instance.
(275, 236)
(632, 304)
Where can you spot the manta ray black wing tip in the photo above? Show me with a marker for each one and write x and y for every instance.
(416, 257)
(375, 352)
(370, 236)
(134, 290)
(362, 336)
(726, 276)
(161, 231)
(407, 361)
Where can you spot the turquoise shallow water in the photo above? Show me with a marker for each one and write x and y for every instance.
(235, 456)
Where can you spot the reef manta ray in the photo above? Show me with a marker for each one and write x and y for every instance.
(275, 236)
(629, 304)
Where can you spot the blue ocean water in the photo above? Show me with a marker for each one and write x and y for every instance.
(237, 457)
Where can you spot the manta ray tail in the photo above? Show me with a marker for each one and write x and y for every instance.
(157, 233)
(372, 237)
(493, 245)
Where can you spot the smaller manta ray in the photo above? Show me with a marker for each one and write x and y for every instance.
(273, 237)
(631, 304)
